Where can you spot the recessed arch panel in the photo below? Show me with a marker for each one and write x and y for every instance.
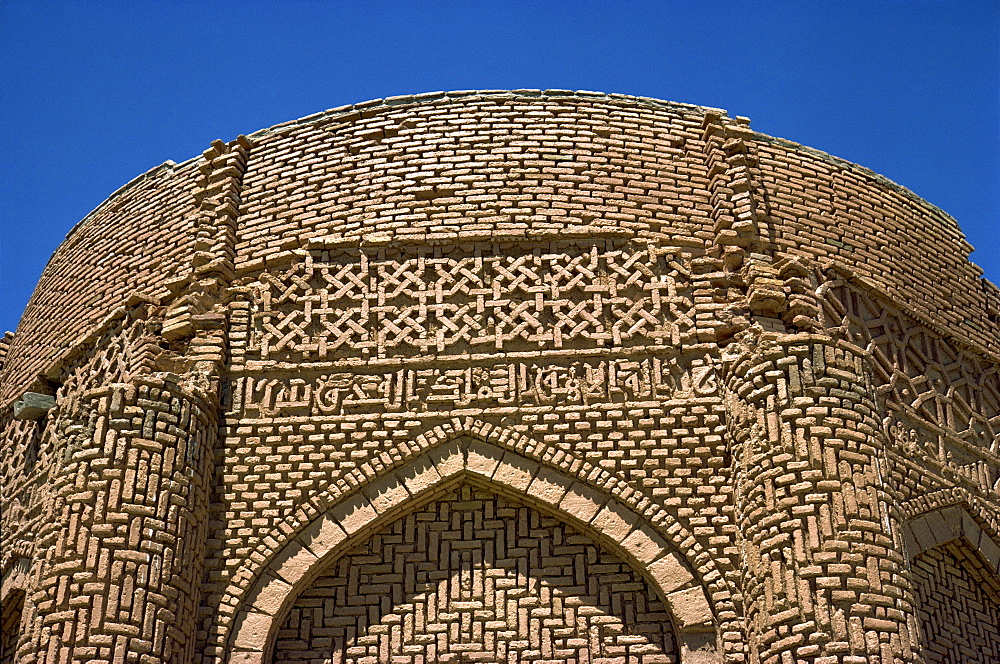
(468, 461)
(957, 602)
(955, 566)
(476, 576)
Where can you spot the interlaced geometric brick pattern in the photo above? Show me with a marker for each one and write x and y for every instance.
(475, 577)
(944, 398)
(566, 295)
(958, 607)
(774, 364)
(930, 379)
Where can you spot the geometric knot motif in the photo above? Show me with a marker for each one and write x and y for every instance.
(923, 375)
(561, 296)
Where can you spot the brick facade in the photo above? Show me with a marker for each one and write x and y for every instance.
(474, 577)
(958, 607)
(505, 376)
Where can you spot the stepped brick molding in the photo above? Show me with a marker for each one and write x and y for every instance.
(522, 376)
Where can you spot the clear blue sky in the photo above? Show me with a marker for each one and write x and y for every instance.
(94, 93)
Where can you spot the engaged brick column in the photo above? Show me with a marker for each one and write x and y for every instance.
(822, 564)
(121, 582)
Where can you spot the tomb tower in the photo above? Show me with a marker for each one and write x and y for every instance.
(505, 377)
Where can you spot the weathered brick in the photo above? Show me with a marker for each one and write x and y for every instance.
(761, 383)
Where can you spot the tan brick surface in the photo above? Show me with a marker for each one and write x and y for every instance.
(475, 577)
(750, 390)
(958, 604)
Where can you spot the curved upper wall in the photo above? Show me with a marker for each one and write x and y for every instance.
(135, 241)
(506, 163)
(503, 162)
(820, 206)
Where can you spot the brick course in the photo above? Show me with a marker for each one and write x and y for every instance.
(959, 606)
(754, 388)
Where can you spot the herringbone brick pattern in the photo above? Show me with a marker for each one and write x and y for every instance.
(959, 609)
(766, 355)
(477, 578)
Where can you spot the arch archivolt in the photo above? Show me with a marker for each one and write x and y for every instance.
(406, 451)
(944, 524)
(954, 565)
(607, 518)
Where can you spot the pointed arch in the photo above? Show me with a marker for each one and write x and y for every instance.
(407, 450)
(13, 591)
(507, 472)
(954, 565)
(944, 524)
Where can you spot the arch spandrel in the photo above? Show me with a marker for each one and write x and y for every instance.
(956, 600)
(589, 476)
(681, 283)
(506, 472)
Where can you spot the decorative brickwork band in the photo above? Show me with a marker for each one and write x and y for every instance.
(527, 377)
(822, 558)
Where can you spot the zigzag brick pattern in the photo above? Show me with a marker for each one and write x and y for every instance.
(758, 383)
(476, 578)
(959, 612)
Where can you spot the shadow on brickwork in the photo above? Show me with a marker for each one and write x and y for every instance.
(13, 606)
